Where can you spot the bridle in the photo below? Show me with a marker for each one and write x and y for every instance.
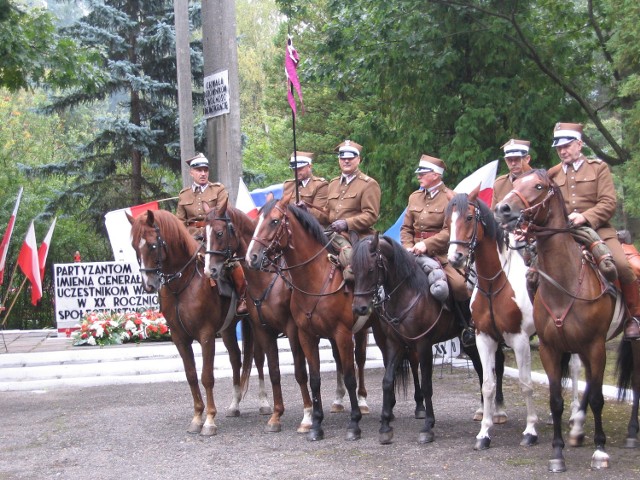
(529, 220)
(472, 243)
(229, 251)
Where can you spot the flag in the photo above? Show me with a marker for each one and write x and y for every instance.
(119, 230)
(4, 246)
(245, 202)
(485, 176)
(291, 60)
(44, 249)
(28, 262)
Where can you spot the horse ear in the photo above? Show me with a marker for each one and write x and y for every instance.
(150, 218)
(374, 241)
(474, 193)
(449, 194)
(206, 207)
(222, 208)
(130, 218)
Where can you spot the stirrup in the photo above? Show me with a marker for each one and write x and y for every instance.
(468, 337)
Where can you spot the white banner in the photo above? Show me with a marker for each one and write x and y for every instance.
(81, 288)
(216, 94)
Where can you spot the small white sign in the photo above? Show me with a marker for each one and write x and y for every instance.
(216, 94)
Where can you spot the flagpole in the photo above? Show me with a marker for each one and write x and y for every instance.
(13, 273)
(4, 321)
(295, 148)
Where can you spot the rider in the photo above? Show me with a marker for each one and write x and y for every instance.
(191, 212)
(590, 198)
(353, 203)
(425, 234)
(517, 158)
(312, 190)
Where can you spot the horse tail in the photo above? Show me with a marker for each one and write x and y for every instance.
(565, 369)
(247, 355)
(402, 375)
(624, 368)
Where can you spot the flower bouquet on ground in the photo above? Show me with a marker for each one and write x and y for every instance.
(112, 328)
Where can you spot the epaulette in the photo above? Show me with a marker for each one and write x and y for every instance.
(215, 184)
(289, 181)
(555, 169)
(321, 179)
(185, 189)
(594, 160)
(364, 177)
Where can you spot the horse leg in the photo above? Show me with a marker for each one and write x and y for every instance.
(472, 353)
(309, 345)
(522, 351)
(208, 354)
(300, 373)
(394, 357)
(188, 361)
(258, 359)
(361, 338)
(597, 355)
(345, 345)
(426, 366)
(551, 362)
(270, 341)
(420, 411)
(235, 358)
(338, 403)
(499, 415)
(633, 427)
(487, 348)
(575, 366)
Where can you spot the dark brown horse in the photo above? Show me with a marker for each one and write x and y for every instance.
(228, 233)
(573, 311)
(171, 264)
(389, 281)
(320, 305)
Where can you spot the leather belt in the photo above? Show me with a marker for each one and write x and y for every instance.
(424, 235)
(197, 223)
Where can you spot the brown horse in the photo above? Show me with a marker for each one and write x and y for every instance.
(573, 311)
(389, 281)
(171, 264)
(320, 305)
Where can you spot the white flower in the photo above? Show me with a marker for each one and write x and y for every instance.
(91, 340)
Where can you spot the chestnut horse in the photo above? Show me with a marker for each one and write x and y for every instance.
(320, 304)
(389, 281)
(171, 264)
(573, 311)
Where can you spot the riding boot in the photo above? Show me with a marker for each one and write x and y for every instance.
(240, 284)
(631, 297)
(462, 312)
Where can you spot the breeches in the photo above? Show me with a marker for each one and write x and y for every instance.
(625, 273)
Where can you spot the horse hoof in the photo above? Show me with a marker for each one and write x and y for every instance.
(426, 437)
(273, 428)
(303, 428)
(421, 413)
(315, 435)
(482, 443)
(364, 410)
(557, 465)
(386, 438)
(209, 431)
(194, 427)
(528, 440)
(500, 418)
(477, 416)
(577, 441)
(337, 408)
(233, 412)
(631, 443)
(353, 435)
(599, 460)
(263, 411)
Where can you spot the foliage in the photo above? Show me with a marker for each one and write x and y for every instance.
(111, 328)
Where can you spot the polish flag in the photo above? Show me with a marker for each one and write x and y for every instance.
(4, 246)
(291, 60)
(119, 231)
(43, 251)
(485, 177)
(29, 264)
(245, 202)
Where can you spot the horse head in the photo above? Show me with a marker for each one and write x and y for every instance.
(466, 227)
(221, 241)
(150, 247)
(366, 262)
(271, 234)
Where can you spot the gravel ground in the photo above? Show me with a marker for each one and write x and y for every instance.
(139, 432)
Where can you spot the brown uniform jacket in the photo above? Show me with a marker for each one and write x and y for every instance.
(190, 204)
(314, 194)
(503, 185)
(358, 203)
(424, 222)
(589, 191)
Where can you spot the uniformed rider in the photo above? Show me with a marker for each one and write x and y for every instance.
(312, 190)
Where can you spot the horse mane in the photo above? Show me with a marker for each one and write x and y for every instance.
(170, 226)
(240, 220)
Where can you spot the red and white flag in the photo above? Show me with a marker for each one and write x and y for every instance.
(29, 264)
(119, 230)
(291, 60)
(4, 246)
(43, 251)
(245, 202)
(485, 177)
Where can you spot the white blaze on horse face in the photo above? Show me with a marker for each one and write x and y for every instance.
(143, 274)
(251, 244)
(453, 235)
(207, 235)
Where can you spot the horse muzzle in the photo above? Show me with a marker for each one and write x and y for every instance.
(507, 216)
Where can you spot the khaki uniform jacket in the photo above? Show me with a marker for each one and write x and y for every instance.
(503, 185)
(589, 191)
(190, 204)
(358, 203)
(314, 194)
(424, 217)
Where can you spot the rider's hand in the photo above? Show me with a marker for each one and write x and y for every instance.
(576, 219)
(339, 226)
(419, 248)
(302, 205)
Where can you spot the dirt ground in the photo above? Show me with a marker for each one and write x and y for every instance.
(139, 432)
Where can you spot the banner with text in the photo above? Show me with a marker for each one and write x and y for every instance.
(101, 286)
(216, 94)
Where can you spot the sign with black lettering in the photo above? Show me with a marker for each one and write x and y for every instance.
(81, 288)
(216, 94)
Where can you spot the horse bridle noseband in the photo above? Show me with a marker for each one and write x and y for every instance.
(228, 253)
(473, 242)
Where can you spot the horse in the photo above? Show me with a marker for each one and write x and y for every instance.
(320, 303)
(573, 311)
(171, 264)
(389, 281)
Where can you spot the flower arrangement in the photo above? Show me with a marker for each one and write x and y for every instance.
(112, 328)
